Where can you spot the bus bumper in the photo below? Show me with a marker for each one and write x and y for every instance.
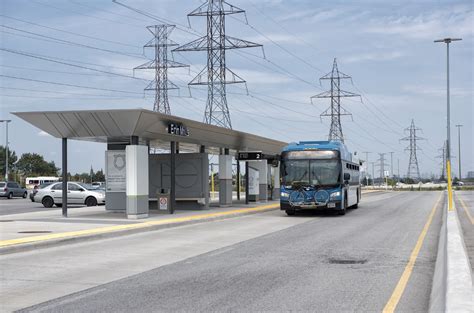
(332, 205)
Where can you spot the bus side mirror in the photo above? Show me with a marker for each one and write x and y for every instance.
(347, 177)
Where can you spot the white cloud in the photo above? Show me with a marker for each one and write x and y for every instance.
(279, 38)
(373, 56)
(436, 91)
(259, 77)
(427, 25)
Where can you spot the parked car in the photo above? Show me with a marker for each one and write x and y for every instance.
(12, 189)
(78, 193)
(35, 190)
(98, 185)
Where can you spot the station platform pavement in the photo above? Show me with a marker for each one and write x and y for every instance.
(26, 231)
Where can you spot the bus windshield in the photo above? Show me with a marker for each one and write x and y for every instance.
(311, 172)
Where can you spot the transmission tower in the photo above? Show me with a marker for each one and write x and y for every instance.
(443, 160)
(216, 75)
(413, 169)
(335, 111)
(160, 84)
(381, 164)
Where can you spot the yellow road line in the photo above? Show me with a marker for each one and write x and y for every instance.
(402, 283)
(108, 229)
(466, 209)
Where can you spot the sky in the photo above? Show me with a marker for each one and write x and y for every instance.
(387, 48)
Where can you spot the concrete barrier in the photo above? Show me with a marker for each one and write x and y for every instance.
(452, 289)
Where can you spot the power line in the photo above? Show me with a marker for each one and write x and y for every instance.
(335, 111)
(61, 92)
(51, 71)
(69, 85)
(277, 44)
(103, 10)
(279, 24)
(179, 26)
(83, 14)
(216, 75)
(413, 168)
(68, 64)
(68, 60)
(66, 98)
(69, 32)
(161, 84)
(67, 42)
(196, 33)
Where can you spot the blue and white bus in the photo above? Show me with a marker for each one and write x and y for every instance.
(318, 175)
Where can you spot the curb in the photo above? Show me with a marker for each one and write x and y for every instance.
(452, 289)
(135, 228)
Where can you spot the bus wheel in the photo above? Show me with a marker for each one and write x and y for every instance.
(290, 212)
(344, 206)
(355, 206)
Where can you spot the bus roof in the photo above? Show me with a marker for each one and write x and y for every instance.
(320, 145)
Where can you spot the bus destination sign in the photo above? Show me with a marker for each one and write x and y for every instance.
(250, 155)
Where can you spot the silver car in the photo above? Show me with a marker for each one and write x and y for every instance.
(77, 193)
(12, 189)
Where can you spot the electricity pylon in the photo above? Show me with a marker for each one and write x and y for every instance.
(381, 164)
(443, 160)
(216, 75)
(335, 111)
(161, 84)
(413, 168)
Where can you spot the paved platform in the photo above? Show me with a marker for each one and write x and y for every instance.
(47, 226)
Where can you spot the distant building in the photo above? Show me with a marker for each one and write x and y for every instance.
(470, 174)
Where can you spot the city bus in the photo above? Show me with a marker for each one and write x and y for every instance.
(31, 182)
(318, 175)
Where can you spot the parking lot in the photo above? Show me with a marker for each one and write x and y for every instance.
(20, 205)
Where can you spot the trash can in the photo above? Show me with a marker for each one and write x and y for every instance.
(163, 197)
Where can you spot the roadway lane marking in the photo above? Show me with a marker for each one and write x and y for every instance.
(466, 209)
(108, 229)
(402, 283)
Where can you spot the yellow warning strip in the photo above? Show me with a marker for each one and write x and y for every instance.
(463, 204)
(402, 283)
(109, 229)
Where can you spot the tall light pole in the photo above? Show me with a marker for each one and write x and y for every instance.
(447, 41)
(391, 163)
(459, 151)
(6, 148)
(367, 167)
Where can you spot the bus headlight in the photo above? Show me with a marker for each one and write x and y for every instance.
(284, 194)
(335, 195)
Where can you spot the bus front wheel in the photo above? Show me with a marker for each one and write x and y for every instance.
(344, 206)
(290, 212)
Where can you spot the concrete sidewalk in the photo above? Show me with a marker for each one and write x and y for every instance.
(26, 231)
(20, 232)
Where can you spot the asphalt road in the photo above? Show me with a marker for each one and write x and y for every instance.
(312, 262)
(20, 205)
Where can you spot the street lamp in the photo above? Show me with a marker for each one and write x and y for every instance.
(447, 41)
(459, 151)
(6, 148)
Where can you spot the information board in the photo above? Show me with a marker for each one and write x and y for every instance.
(254, 181)
(250, 155)
(116, 174)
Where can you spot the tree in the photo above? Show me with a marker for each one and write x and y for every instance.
(33, 164)
(99, 176)
(12, 158)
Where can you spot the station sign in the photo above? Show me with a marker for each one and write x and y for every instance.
(177, 129)
(250, 155)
